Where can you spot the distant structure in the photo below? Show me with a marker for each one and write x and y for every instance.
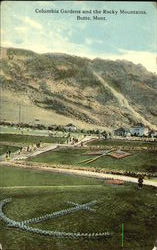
(70, 127)
(139, 130)
(119, 132)
(122, 132)
(153, 134)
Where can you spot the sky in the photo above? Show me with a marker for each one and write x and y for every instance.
(123, 36)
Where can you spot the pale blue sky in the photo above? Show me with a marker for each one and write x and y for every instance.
(130, 37)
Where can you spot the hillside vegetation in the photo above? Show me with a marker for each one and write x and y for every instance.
(90, 92)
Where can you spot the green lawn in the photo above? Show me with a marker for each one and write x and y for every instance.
(25, 177)
(62, 156)
(137, 162)
(141, 161)
(28, 139)
(111, 142)
(5, 148)
(116, 205)
(25, 131)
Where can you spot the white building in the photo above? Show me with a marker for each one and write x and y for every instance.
(70, 127)
(139, 130)
(153, 133)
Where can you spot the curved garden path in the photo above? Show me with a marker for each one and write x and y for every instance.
(47, 148)
(84, 173)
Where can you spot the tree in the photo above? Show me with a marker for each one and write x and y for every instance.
(45, 88)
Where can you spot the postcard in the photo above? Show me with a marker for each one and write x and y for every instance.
(78, 125)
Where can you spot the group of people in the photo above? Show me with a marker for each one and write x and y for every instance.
(30, 148)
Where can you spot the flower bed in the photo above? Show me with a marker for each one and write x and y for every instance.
(23, 224)
(116, 182)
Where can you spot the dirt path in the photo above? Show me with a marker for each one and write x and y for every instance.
(41, 150)
(62, 186)
(81, 173)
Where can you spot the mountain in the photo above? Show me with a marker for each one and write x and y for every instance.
(58, 88)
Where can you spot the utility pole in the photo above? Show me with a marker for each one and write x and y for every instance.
(19, 113)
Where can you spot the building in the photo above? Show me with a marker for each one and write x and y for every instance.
(139, 130)
(120, 132)
(127, 133)
(70, 127)
(153, 134)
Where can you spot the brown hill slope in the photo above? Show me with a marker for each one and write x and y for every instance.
(89, 92)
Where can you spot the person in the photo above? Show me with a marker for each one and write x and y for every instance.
(20, 150)
(140, 182)
(9, 153)
(38, 144)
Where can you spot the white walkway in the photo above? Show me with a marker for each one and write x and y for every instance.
(41, 150)
(80, 173)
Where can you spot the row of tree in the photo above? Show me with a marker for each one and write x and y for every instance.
(55, 128)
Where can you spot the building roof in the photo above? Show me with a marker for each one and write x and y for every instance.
(120, 129)
(70, 125)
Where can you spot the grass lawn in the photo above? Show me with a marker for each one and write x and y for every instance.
(117, 142)
(141, 161)
(10, 177)
(62, 156)
(28, 139)
(5, 148)
(25, 131)
(47, 192)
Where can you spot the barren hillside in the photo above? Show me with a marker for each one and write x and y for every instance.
(59, 88)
